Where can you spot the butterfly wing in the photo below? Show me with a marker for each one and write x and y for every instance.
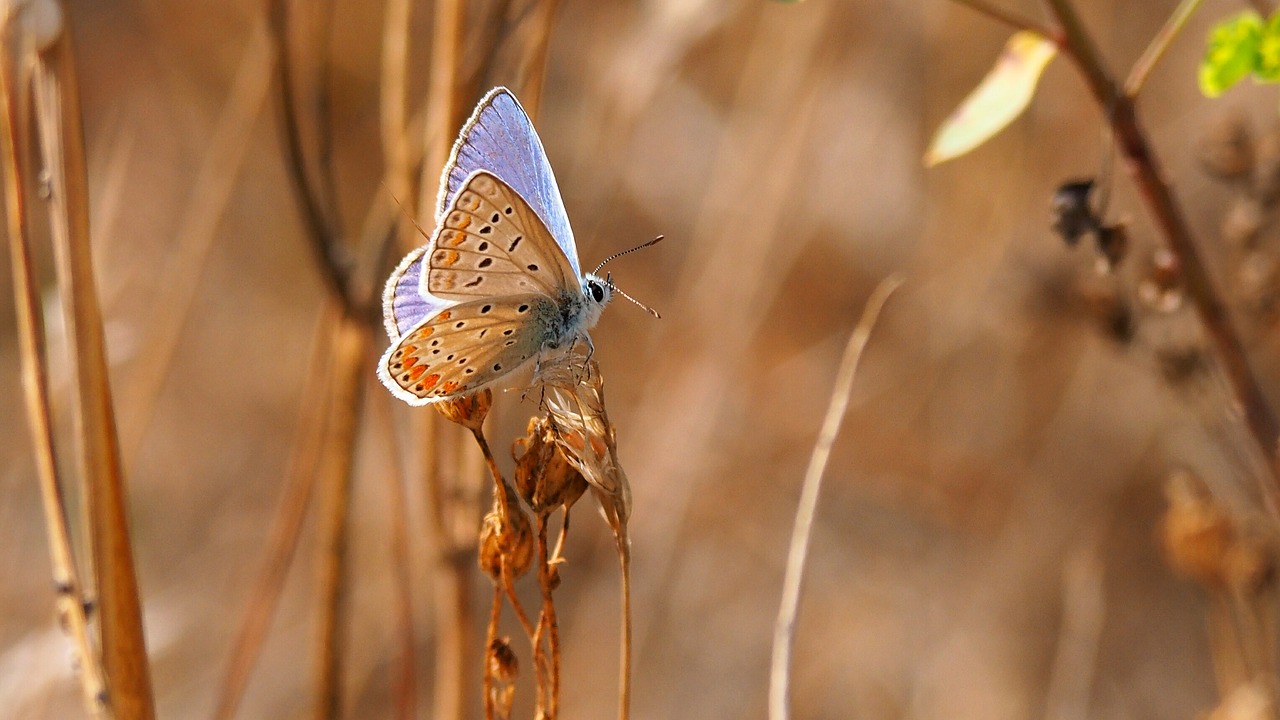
(499, 137)
(490, 243)
(463, 348)
(403, 302)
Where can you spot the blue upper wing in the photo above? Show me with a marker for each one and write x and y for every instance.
(500, 138)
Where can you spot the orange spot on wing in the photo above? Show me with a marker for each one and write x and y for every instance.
(444, 315)
(409, 349)
(430, 381)
(446, 258)
(425, 331)
(450, 386)
(453, 238)
(464, 222)
(416, 373)
(410, 362)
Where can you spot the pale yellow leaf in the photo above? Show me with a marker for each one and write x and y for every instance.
(1001, 97)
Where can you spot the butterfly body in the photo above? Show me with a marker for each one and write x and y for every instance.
(498, 285)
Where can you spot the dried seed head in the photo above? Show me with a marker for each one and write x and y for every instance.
(574, 393)
(544, 478)
(468, 411)
(506, 544)
(1195, 531)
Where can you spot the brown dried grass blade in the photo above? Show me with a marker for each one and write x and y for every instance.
(120, 607)
(335, 480)
(282, 540)
(784, 630)
(71, 600)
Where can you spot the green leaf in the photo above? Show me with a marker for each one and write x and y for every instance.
(1000, 98)
(1231, 52)
(1267, 68)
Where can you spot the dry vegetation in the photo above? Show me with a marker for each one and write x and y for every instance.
(992, 539)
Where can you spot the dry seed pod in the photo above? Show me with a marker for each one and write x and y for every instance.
(502, 660)
(1195, 531)
(544, 478)
(1226, 149)
(505, 544)
(468, 411)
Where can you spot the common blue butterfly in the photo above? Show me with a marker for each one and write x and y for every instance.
(499, 282)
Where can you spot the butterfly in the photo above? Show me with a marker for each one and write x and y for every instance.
(498, 284)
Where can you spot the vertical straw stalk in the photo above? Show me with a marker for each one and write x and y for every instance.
(119, 605)
(71, 599)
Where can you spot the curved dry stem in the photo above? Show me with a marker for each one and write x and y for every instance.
(784, 629)
(1141, 69)
(1167, 213)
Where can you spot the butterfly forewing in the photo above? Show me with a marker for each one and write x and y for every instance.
(500, 138)
(490, 243)
(464, 348)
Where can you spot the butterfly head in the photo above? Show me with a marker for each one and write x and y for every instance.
(598, 292)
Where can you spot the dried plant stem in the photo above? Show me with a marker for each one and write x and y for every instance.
(624, 646)
(71, 600)
(335, 483)
(394, 87)
(490, 638)
(1013, 20)
(317, 206)
(404, 687)
(444, 104)
(1155, 190)
(282, 539)
(1155, 51)
(451, 581)
(784, 629)
(124, 651)
(547, 684)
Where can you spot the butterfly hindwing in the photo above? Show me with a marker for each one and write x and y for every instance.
(463, 348)
(490, 243)
(500, 138)
(403, 303)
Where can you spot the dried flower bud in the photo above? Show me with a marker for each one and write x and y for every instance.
(505, 544)
(1195, 531)
(1226, 149)
(468, 411)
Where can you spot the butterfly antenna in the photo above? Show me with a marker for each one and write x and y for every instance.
(409, 215)
(615, 256)
(609, 281)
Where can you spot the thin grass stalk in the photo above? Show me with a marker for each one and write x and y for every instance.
(490, 639)
(71, 600)
(335, 481)
(797, 555)
(120, 607)
(282, 539)
(624, 646)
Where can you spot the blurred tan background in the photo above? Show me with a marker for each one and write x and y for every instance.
(986, 540)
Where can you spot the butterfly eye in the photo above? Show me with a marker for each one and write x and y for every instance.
(597, 292)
